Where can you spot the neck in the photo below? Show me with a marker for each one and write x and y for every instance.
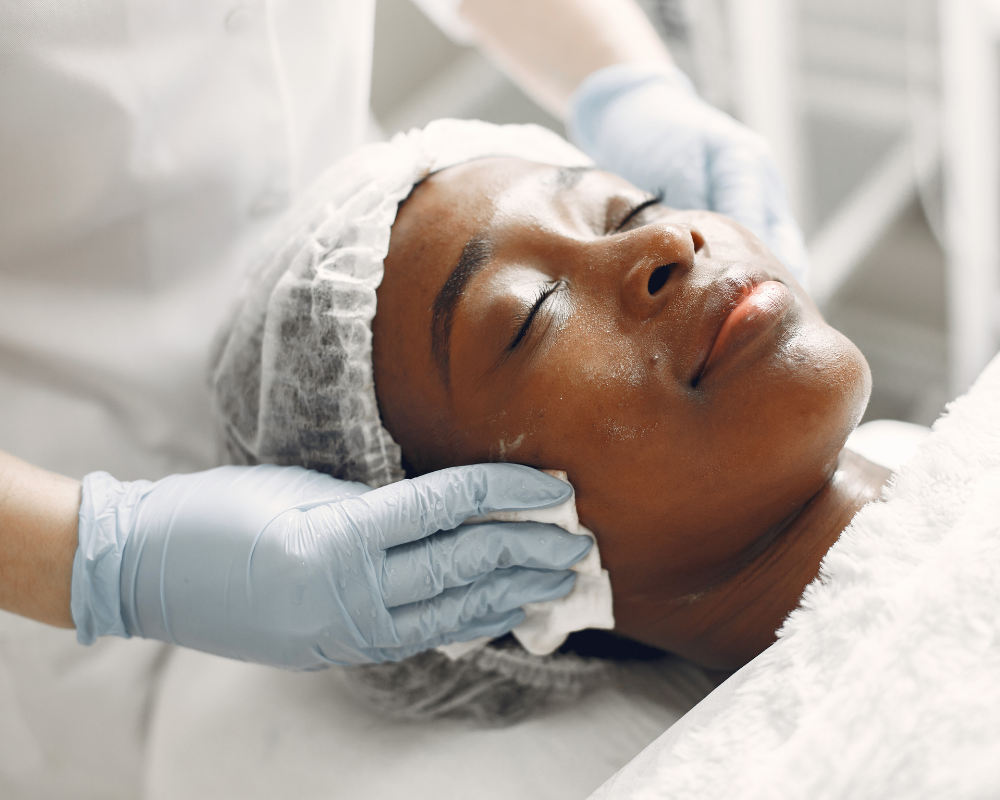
(735, 620)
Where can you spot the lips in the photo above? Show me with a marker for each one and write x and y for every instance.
(742, 308)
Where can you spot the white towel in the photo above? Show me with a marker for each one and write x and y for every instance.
(588, 605)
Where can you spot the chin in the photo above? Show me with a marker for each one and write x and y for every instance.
(849, 383)
(836, 383)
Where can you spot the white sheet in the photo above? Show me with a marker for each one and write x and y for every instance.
(888, 442)
(884, 682)
(72, 718)
(224, 729)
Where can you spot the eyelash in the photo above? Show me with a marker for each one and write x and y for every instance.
(541, 295)
(524, 320)
(637, 209)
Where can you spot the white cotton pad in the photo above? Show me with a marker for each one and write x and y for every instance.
(588, 605)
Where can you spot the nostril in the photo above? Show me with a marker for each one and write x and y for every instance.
(697, 240)
(658, 278)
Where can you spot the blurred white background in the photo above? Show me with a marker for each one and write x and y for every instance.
(849, 94)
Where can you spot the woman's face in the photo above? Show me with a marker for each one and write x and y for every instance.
(664, 359)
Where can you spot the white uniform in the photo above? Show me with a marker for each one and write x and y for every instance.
(144, 145)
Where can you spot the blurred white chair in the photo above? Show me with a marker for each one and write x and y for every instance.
(765, 36)
(970, 30)
(765, 70)
(774, 87)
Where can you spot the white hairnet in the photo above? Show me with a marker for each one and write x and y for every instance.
(292, 377)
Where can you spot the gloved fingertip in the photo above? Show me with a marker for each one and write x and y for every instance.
(515, 487)
(542, 490)
(567, 583)
(575, 548)
(553, 585)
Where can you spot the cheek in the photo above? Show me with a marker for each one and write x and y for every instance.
(607, 414)
(825, 384)
(707, 476)
(773, 437)
(589, 394)
(598, 390)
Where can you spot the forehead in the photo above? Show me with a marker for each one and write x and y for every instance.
(455, 205)
(477, 190)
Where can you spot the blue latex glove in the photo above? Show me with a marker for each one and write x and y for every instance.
(285, 566)
(646, 123)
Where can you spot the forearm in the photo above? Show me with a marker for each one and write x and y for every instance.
(38, 530)
(550, 46)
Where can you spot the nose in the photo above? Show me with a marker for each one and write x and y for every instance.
(654, 257)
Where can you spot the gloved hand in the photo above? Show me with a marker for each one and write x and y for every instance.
(646, 123)
(285, 566)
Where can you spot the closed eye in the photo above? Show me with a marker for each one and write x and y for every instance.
(543, 294)
(636, 210)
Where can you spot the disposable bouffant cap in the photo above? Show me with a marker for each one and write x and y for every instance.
(291, 378)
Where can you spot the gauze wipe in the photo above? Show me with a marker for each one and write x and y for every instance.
(588, 605)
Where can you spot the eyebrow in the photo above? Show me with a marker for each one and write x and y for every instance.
(475, 256)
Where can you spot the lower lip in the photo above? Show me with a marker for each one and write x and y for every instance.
(756, 314)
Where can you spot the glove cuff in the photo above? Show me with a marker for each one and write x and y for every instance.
(107, 510)
(600, 89)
